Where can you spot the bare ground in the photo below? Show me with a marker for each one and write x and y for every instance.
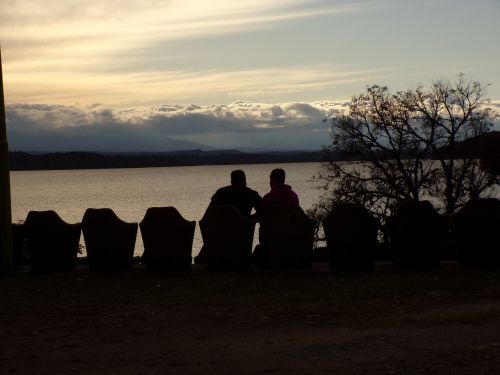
(255, 322)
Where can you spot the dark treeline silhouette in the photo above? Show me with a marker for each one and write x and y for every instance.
(484, 147)
(92, 160)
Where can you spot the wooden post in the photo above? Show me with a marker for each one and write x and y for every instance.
(6, 256)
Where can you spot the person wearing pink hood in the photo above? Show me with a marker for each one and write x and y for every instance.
(281, 194)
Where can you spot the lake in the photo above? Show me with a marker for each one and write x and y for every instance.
(130, 192)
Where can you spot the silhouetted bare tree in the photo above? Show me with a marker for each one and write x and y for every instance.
(405, 146)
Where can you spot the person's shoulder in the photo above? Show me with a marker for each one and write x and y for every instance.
(295, 197)
(222, 191)
(252, 194)
(250, 191)
(293, 191)
(270, 193)
(289, 189)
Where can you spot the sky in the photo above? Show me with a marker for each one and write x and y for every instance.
(253, 75)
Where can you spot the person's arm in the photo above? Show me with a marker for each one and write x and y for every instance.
(257, 205)
(257, 202)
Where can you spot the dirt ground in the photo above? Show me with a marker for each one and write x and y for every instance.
(252, 322)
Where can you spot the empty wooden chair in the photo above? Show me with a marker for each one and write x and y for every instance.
(227, 238)
(415, 232)
(51, 243)
(476, 228)
(168, 239)
(351, 236)
(109, 240)
(286, 238)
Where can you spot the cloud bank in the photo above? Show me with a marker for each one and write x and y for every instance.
(240, 125)
(247, 126)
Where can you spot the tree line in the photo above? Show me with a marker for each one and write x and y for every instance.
(92, 160)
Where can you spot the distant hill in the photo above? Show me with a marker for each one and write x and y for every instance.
(92, 160)
(485, 147)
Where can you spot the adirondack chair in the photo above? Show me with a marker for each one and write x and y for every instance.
(227, 238)
(476, 228)
(168, 239)
(415, 232)
(351, 236)
(52, 244)
(285, 238)
(109, 240)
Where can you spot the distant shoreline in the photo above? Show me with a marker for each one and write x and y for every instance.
(485, 147)
(29, 161)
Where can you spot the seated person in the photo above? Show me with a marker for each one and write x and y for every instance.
(281, 193)
(237, 195)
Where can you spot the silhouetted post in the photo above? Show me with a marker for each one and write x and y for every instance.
(6, 258)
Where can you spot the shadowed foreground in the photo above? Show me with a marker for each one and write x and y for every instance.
(386, 322)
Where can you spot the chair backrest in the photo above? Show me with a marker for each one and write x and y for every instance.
(167, 237)
(109, 240)
(416, 231)
(227, 237)
(286, 238)
(52, 244)
(351, 236)
(476, 228)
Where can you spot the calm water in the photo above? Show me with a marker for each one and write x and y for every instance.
(130, 192)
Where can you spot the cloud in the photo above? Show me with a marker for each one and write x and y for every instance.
(179, 86)
(118, 52)
(243, 125)
(89, 32)
(148, 20)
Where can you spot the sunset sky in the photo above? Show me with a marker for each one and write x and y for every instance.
(151, 75)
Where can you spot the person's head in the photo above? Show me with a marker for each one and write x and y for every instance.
(238, 178)
(277, 177)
